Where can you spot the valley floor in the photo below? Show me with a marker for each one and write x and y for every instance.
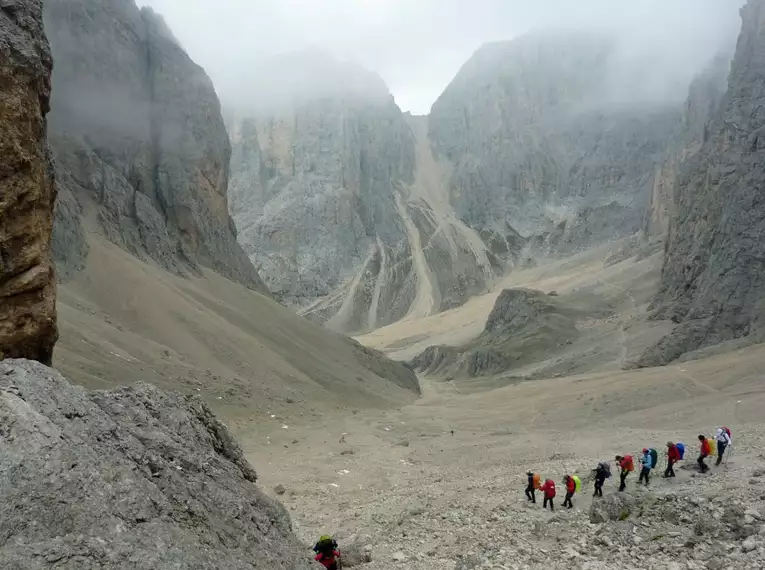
(437, 483)
(404, 484)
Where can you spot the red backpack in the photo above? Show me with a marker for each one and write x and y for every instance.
(727, 430)
(628, 464)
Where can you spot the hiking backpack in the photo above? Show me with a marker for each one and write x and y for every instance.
(606, 468)
(326, 545)
(680, 449)
(727, 430)
(577, 482)
(537, 481)
(629, 463)
(654, 457)
(712, 446)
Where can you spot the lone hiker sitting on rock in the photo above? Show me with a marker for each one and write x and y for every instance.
(704, 452)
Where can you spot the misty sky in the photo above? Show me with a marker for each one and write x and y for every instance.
(417, 46)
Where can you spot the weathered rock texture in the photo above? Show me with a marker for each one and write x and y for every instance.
(139, 142)
(713, 282)
(134, 478)
(339, 200)
(524, 326)
(703, 102)
(27, 283)
(541, 145)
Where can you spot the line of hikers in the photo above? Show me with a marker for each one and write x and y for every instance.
(649, 460)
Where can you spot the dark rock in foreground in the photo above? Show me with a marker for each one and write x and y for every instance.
(133, 478)
(27, 286)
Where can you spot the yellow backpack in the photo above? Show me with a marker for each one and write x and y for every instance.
(577, 482)
(712, 446)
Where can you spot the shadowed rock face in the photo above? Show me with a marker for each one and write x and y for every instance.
(27, 283)
(133, 478)
(539, 144)
(139, 141)
(713, 281)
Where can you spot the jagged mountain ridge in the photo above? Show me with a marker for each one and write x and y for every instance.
(528, 153)
(337, 199)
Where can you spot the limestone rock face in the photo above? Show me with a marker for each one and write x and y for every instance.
(713, 281)
(339, 201)
(139, 141)
(541, 145)
(27, 194)
(133, 478)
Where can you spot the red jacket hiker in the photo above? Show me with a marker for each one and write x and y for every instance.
(549, 488)
(673, 454)
(626, 464)
(706, 451)
(328, 561)
(571, 485)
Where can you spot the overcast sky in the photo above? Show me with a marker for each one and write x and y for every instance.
(417, 46)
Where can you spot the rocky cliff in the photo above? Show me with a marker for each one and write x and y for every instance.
(27, 194)
(139, 141)
(338, 200)
(133, 478)
(543, 146)
(713, 281)
(361, 216)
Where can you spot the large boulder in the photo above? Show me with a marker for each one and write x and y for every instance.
(614, 507)
(27, 285)
(134, 478)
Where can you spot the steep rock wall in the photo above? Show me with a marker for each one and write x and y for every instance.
(27, 283)
(713, 278)
(140, 142)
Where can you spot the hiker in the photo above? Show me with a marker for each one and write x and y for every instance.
(723, 441)
(532, 486)
(705, 451)
(549, 490)
(626, 465)
(649, 462)
(570, 490)
(673, 456)
(602, 472)
(327, 553)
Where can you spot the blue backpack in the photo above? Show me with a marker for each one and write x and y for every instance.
(680, 448)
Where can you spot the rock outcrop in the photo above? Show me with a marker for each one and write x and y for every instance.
(524, 326)
(338, 200)
(27, 194)
(713, 281)
(139, 141)
(541, 145)
(133, 478)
